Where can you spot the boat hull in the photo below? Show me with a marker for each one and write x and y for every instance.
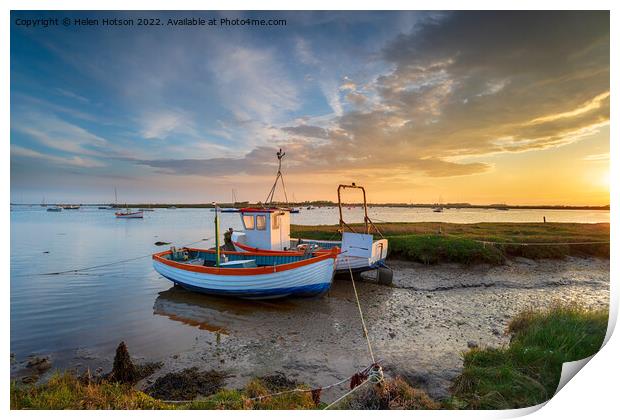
(135, 215)
(314, 278)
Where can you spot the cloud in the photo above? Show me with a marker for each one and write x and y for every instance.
(597, 158)
(461, 85)
(308, 131)
(252, 83)
(58, 134)
(77, 161)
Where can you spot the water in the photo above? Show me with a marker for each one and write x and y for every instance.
(89, 313)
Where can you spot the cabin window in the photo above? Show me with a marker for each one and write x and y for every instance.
(248, 221)
(261, 222)
(275, 222)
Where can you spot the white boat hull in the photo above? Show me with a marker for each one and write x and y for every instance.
(307, 280)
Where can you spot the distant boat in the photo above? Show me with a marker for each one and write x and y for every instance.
(126, 214)
(54, 209)
(147, 209)
(438, 210)
(294, 210)
(71, 206)
(105, 208)
(172, 208)
(43, 203)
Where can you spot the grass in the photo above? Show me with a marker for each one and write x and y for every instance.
(65, 391)
(432, 243)
(527, 372)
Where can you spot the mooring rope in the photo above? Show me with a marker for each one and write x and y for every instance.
(359, 307)
(367, 371)
(540, 243)
(77, 270)
(333, 403)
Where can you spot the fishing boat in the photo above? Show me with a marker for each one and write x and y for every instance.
(253, 275)
(54, 209)
(248, 274)
(267, 229)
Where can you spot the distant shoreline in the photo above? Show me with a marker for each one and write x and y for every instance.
(331, 204)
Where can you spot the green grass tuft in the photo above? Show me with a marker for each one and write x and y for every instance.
(527, 372)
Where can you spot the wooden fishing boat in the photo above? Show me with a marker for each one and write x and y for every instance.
(129, 214)
(255, 275)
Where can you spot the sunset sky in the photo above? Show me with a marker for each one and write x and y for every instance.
(479, 107)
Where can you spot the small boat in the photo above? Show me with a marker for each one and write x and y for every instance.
(106, 207)
(294, 210)
(172, 208)
(129, 214)
(438, 210)
(146, 209)
(54, 209)
(71, 206)
(254, 275)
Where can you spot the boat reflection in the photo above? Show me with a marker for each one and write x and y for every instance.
(215, 313)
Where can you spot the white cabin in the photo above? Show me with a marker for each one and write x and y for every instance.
(265, 228)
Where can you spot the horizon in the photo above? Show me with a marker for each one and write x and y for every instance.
(420, 107)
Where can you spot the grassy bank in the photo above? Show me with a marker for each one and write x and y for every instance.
(522, 374)
(431, 243)
(527, 372)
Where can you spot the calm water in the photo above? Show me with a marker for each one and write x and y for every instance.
(70, 315)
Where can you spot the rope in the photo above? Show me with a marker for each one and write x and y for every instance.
(540, 243)
(77, 270)
(347, 394)
(359, 307)
(370, 370)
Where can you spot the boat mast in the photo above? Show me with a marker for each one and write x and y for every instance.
(280, 154)
(217, 236)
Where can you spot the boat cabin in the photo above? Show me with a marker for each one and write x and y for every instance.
(265, 228)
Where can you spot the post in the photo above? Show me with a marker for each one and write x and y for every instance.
(217, 237)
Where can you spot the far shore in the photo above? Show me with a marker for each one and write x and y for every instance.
(332, 204)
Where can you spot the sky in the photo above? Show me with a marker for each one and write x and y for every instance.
(418, 107)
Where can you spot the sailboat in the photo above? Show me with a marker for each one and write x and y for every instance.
(231, 209)
(438, 207)
(43, 203)
(127, 214)
(150, 208)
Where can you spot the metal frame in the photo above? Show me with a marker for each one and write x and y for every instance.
(367, 222)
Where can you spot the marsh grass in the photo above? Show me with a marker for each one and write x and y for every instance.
(66, 391)
(527, 372)
(432, 243)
